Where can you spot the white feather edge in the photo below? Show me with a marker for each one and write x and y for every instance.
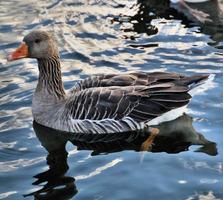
(175, 113)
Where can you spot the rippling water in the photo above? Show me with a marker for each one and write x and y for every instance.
(113, 36)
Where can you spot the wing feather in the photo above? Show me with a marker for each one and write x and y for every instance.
(118, 103)
(139, 95)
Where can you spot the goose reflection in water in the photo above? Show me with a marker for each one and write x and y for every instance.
(174, 137)
(207, 15)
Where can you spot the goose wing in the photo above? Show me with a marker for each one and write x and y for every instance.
(135, 79)
(128, 79)
(140, 102)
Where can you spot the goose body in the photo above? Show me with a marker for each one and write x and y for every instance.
(104, 103)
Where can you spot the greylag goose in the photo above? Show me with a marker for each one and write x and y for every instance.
(102, 104)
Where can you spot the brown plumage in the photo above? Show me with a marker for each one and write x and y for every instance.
(104, 103)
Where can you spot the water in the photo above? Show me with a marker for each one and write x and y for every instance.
(112, 37)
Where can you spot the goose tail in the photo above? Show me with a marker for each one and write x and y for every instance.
(192, 81)
(201, 83)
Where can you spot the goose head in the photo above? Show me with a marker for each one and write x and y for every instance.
(37, 44)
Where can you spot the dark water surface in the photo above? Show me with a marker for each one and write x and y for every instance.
(112, 37)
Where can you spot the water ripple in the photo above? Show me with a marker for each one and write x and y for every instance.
(15, 164)
(99, 169)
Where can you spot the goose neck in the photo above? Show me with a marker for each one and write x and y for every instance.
(50, 77)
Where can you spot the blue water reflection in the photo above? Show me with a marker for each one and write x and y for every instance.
(113, 37)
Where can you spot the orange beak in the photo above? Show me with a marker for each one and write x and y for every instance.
(20, 52)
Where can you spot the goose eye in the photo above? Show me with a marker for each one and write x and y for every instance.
(37, 41)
